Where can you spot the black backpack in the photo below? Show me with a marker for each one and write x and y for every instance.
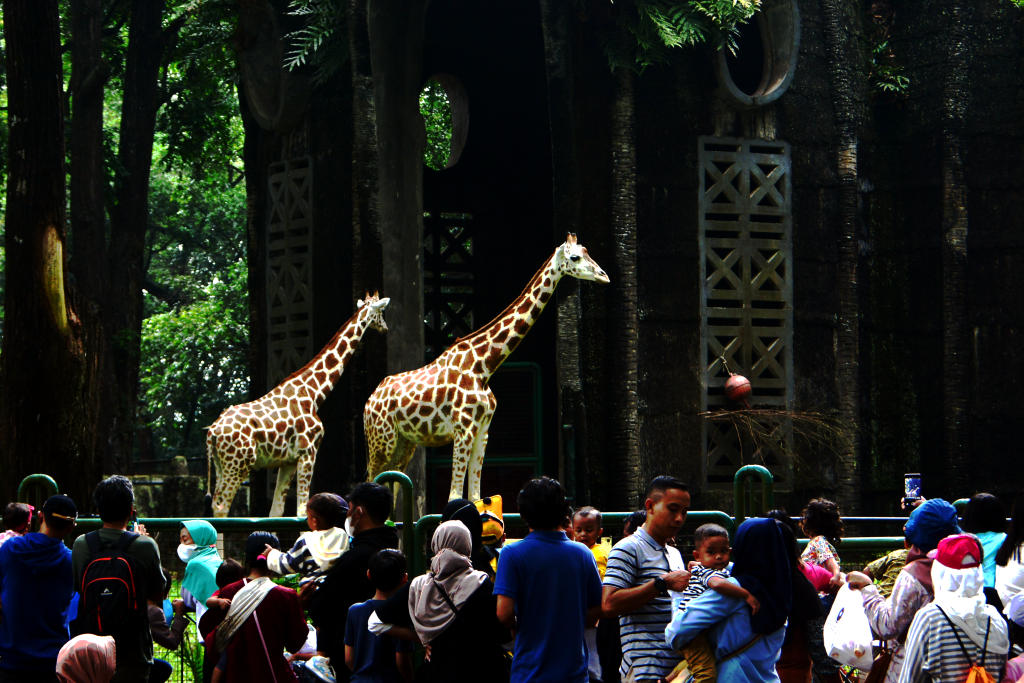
(109, 601)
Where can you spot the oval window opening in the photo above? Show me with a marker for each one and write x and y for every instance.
(746, 67)
(445, 111)
(436, 110)
(765, 60)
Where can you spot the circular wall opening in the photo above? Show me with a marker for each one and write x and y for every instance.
(444, 107)
(765, 60)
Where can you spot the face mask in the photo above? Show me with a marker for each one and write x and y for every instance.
(185, 552)
(350, 526)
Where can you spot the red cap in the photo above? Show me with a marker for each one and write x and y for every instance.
(961, 551)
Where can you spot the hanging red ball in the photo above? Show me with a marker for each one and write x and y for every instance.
(737, 388)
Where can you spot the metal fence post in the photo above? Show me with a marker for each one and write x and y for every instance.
(405, 483)
(742, 495)
(42, 482)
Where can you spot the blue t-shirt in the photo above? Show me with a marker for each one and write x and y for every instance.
(553, 581)
(375, 655)
(35, 589)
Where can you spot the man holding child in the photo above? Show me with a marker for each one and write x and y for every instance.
(642, 569)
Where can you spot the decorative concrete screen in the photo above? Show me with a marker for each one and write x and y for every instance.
(289, 268)
(448, 279)
(745, 237)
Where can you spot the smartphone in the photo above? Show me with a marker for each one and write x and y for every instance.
(911, 489)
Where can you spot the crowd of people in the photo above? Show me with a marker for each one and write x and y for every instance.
(556, 605)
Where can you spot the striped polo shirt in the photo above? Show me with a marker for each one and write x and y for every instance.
(634, 561)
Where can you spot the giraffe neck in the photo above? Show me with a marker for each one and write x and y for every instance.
(318, 377)
(488, 347)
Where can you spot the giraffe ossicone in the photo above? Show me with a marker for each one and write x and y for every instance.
(449, 400)
(282, 428)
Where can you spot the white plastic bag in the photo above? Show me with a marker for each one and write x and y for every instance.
(847, 633)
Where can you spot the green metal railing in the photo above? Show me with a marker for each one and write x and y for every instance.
(404, 483)
(416, 534)
(742, 490)
(41, 483)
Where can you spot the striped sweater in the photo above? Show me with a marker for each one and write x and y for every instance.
(932, 652)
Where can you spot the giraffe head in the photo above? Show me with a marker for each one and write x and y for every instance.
(572, 259)
(372, 308)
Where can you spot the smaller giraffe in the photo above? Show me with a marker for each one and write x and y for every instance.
(282, 429)
(448, 400)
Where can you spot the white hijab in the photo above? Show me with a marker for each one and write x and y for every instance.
(960, 594)
(450, 581)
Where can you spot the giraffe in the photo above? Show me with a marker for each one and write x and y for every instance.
(448, 400)
(282, 428)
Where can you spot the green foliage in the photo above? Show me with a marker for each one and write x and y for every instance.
(437, 119)
(887, 76)
(194, 363)
(198, 119)
(320, 40)
(649, 31)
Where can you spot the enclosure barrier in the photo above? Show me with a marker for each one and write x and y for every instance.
(42, 484)
(416, 535)
(404, 483)
(742, 490)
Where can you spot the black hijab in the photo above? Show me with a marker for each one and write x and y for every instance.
(762, 565)
(464, 511)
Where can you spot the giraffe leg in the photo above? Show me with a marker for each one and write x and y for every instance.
(462, 448)
(476, 458)
(231, 472)
(284, 482)
(304, 473)
(380, 442)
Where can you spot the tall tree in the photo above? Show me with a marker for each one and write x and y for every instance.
(625, 436)
(44, 366)
(129, 221)
(842, 28)
(955, 322)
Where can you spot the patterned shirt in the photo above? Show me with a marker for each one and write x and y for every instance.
(885, 570)
(819, 551)
(634, 561)
(313, 554)
(890, 618)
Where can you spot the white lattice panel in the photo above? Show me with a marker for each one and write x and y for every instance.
(289, 268)
(747, 292)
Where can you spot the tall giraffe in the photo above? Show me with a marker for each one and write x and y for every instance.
(448, 400)
(282, 428)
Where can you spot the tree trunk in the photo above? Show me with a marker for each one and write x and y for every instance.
(566, 197)
(956, 343)
(625, 442)
(129, 221)
(841, 21)
(367, 255)
(88, 217)
(43, 426)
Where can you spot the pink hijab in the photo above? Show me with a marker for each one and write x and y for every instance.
(86, 659)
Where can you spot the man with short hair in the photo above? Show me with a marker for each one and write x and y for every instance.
(548, 590)
(35, 592)
(114, 499)
(346, 583)
(642, 570)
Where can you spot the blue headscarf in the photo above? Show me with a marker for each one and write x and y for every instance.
(762, 564)
(931, 522)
